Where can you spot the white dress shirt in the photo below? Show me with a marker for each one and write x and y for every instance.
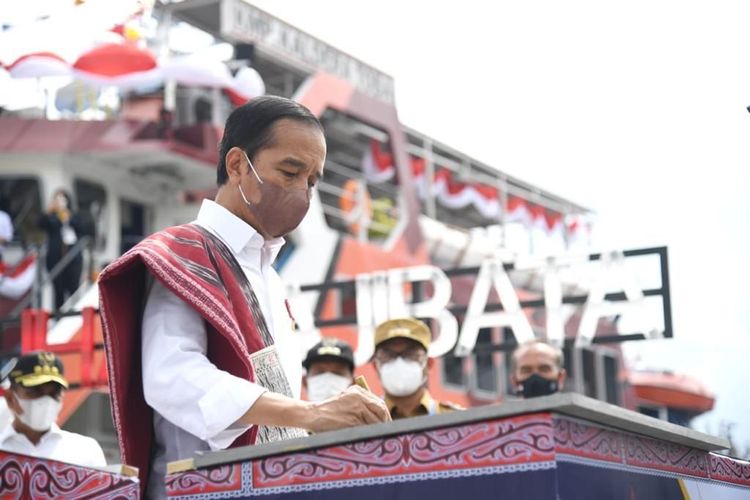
(55, 444)
(194, 402)
(6, 417)
(6, 229)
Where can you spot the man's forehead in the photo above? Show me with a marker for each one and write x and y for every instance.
(535, 353)
(328, 364)
(46, 387)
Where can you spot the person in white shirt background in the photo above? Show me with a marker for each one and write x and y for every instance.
(329, 369)
(37, 386)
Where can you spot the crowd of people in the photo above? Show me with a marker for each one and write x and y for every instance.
(34, 388)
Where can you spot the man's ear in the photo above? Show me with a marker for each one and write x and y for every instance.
(304, 381)
(561, 377)
(235, 163)
(430, 363)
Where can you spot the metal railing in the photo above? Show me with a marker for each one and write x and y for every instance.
(358, 220)
(42, 279)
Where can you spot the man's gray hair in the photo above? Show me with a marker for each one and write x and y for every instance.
(558, 353)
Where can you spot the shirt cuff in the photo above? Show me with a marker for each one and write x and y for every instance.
(223, 405)
(225, 438)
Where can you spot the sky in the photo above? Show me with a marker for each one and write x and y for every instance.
(636, 110)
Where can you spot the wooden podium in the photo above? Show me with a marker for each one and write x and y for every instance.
(563, 446)
(27, 477)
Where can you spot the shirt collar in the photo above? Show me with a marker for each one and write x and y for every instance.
(423, 408)
(10, 432)
(235, 232)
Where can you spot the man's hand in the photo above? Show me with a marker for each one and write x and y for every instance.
(354, 406)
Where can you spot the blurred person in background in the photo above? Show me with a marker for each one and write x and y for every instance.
(537, 369)
(37, 387)
(402, 364)
(64, 227)
(329, 369)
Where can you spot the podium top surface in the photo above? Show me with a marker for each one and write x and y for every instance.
(564, 404)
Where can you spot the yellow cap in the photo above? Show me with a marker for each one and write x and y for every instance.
(406, 328)
(38, 368)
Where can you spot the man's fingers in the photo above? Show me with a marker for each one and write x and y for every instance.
(378, 407)
(375, 406)
(368, 416)
(362, 405)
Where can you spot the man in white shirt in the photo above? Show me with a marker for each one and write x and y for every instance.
(210, 372)
(35, 398)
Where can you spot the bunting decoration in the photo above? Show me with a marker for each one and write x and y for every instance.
(16, 281)
(104, 52)
(127, 66)
(454, 194)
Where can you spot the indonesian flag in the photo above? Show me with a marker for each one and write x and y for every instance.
(16, 281)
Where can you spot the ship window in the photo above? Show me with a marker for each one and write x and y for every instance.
(134, 222)
(20, 197)
(570, 372)
(649, 411)
(453, 370)
(612, 395)
(486, 371)
(589, 373)
(679, 416)
(92, 208)
(509, 340)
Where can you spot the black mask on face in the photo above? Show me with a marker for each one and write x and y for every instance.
(536, 385)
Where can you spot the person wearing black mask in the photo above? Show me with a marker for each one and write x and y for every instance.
(537, 369)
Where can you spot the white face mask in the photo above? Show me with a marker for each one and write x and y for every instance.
(402, 377)
(39, 413)
(326, 385)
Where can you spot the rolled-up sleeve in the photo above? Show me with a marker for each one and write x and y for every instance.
(179, 382)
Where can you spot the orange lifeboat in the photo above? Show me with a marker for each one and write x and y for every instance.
(671, 390)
